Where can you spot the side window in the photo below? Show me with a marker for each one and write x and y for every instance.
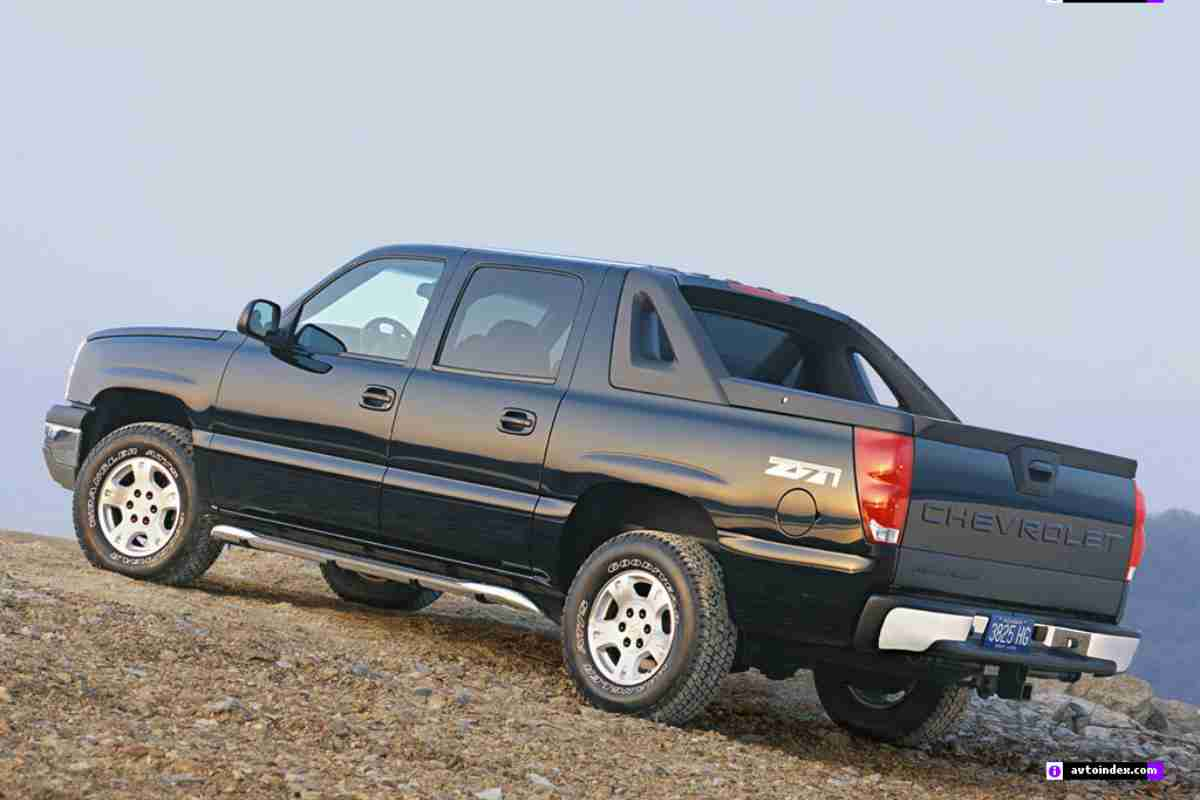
(513, 322)
(373, 310)
(880, 393)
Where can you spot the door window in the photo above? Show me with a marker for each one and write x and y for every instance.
(373, 310)
(513, 322)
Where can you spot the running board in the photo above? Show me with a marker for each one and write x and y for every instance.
(378, 569)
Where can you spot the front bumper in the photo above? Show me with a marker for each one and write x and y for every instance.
(62, 441)
(954, 631)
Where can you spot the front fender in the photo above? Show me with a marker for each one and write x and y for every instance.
(187, 368)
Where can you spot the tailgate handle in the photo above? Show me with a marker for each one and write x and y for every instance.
(1041, 471)
(1034, 471)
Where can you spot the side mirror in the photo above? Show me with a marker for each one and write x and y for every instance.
(260, 319)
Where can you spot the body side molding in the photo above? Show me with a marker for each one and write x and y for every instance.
(292, 457)
(794, 554)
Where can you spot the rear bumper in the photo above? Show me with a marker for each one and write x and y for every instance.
(954, 631)
(61, 442)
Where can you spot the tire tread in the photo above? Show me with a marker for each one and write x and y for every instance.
(700, 684)
(194, 561)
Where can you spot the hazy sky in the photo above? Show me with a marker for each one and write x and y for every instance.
(1006, 192)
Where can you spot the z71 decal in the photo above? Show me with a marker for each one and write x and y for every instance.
(818, 474)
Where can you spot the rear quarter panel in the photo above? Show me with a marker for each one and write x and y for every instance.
(719, 456)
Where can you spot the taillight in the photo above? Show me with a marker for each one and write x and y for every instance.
(883, 465)
(1139, 532)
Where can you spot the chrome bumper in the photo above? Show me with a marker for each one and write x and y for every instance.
(915, 630)
(60, 448)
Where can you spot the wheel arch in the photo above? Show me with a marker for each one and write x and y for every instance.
(116, 407)
(609, 509)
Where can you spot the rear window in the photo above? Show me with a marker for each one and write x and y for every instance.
(783, 345)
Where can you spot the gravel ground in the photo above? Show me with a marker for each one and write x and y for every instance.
(258, 682)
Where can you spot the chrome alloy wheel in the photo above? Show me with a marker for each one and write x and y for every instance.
(139, 507)
(878, 698)
(631, 627)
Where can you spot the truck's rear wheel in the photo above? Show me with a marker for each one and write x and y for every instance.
(910, 712)
(646, 629)
(137, 505)
(376, 592)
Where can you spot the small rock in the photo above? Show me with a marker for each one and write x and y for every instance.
(224, 706)
(1181, 717)
(1073, 716)
(495, 793)
(423, 692)
(187, 626)
(1122, 693)
(135, 672)
(463, 697)
(283, 664)
(361, 670)
(1154, 718)
(436, 702)
(206, 723)
(539, 780)
(5, 696)
(1063, 732)
(80, 766)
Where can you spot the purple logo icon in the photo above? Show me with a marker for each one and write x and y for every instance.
(1155, 771)
(1054, 770)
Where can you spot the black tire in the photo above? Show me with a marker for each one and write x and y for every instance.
(376, 592)
(927, 711)
(704, 638)
(189, 551)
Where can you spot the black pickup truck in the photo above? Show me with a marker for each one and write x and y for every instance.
(694, 475)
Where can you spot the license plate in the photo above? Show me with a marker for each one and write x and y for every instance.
(1008, 633)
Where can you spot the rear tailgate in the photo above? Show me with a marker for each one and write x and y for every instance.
(1017, 521)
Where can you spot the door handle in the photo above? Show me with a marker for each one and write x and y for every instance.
(517, 421)
(378, 398)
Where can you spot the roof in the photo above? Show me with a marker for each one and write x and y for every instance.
(685, 278)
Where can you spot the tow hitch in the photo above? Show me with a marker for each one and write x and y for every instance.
(1009, 682)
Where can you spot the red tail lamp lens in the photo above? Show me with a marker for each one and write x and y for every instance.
(1139, 532)
(883, 466)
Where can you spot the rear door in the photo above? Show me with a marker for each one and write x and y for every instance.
(1017, 521)
(465, 461)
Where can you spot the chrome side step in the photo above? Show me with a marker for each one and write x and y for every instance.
(378, 569)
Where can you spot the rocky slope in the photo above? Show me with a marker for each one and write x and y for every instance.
(257, 682)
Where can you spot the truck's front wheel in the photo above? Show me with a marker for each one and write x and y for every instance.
(910, 712)
(137, 506)
(646, 629)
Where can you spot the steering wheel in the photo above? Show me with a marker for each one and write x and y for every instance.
(385, 336)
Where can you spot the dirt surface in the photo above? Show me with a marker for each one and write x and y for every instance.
(259, 682)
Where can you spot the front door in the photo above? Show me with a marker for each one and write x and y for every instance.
(301, 433)
(465, 465)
